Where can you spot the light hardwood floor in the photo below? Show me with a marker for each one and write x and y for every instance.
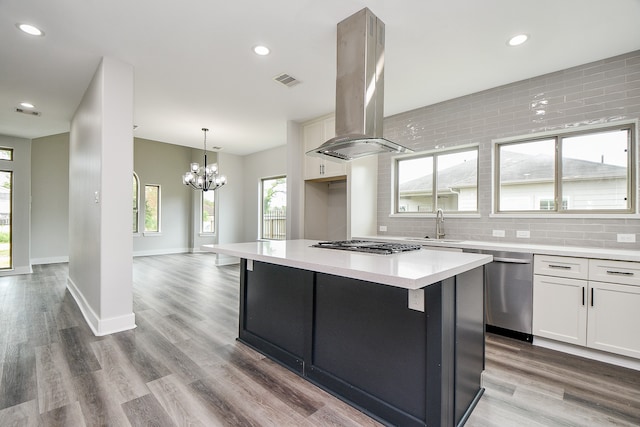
(182, 366)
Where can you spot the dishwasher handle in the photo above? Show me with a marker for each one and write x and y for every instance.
(511, 260)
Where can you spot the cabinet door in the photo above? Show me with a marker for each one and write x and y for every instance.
(560, 309)
(614, 317)
(312, 135)
(332, 168)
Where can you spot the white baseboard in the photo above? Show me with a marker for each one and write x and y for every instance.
(588, 353)
(25, 269)
(50, 260)
(100, 327)
(162, 252)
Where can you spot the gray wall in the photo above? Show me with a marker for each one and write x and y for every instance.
(50, 199)
(601, 92)
(163, 164)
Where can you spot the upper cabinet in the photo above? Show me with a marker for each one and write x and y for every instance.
(314, 134)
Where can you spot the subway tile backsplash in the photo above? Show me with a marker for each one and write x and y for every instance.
(605, 91)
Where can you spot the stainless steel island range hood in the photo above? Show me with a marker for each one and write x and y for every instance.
(359, 91)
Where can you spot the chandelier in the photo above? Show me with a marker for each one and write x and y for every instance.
(204, 177)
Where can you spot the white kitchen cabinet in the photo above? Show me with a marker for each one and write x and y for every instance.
(314, 134)
(560, 309)
(601, 310)
(614, 315)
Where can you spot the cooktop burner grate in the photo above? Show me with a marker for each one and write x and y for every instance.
(368, 246)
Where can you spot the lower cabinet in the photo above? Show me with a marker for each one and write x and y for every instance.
(559, 309)
(613, 318)
(596, 314)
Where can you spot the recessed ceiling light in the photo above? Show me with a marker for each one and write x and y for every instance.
(30, 29)
(518, 40)
(261, 50)
(27, 105)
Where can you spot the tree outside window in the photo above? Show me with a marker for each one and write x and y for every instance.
(274, 208)
(208, 212)
(151, 208)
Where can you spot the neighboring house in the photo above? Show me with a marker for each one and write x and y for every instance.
(526, 184)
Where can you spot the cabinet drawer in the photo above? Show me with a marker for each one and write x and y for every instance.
(561, 266)
(623, 272)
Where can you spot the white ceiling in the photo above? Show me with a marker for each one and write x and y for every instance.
(194, 66)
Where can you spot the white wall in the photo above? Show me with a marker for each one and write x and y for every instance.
(100, 170)
(265, 164)
(21, 215)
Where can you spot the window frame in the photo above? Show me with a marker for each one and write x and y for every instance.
(7, 150)
(558, 137)
(395, 212)
(261, 207)
(159, 210)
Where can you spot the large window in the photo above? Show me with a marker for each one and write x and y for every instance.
(208, 212)
(444, 180)
(274, 208)
(152, 208)
(6, 184)
(589, 172)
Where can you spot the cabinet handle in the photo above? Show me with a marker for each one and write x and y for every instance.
(620, 273)
(583, 295)
(591, 297)
(562, 267)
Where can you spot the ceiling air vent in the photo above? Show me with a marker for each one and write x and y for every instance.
(286, 80)
(28, 113)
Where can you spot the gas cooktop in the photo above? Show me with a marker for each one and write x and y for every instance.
(368, 246)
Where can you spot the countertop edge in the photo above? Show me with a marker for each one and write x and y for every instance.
(390, 280)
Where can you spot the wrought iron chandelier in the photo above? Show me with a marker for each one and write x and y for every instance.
(205, 177)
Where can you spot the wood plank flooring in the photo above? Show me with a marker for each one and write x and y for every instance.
(182, 366)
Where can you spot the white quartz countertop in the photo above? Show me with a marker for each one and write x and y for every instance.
(409, 270)
(573, 251)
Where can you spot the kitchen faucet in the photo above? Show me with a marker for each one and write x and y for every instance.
(439, 224)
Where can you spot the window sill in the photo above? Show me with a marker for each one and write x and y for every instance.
(563, 216)
(207, 234)
(433, 215)
(152, 233)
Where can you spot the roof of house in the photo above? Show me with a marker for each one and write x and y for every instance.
(516, 168)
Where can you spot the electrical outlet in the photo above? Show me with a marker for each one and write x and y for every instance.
(416, 299)
(498, 233)
(383, 228)
(523, 234)
(626, 238)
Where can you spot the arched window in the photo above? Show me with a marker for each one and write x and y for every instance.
(136, 199)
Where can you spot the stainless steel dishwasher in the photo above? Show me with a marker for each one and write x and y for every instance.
(509, 293)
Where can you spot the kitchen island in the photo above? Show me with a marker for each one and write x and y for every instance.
(399, 336)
